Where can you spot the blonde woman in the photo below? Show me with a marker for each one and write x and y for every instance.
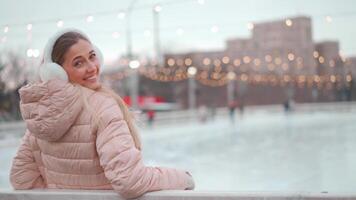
(80, 135)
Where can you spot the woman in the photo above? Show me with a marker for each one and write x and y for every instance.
(80, 134)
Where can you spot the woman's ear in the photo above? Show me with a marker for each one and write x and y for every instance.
(49, 71)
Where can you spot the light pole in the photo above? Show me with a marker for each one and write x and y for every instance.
(134, 78)
(156, 10)
(192, 71)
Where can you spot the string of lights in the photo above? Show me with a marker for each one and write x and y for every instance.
(120, 14)
(218, 72)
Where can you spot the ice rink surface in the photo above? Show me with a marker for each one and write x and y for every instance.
(259, 151)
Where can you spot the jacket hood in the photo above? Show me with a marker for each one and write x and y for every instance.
(50, 108)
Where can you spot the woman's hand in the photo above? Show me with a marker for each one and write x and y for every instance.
(191, 184)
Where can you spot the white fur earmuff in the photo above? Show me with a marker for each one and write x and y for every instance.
(51, 70)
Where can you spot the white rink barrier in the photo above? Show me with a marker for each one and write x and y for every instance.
(169, 195)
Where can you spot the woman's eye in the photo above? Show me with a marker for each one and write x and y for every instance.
(78, 64)
(92, 56)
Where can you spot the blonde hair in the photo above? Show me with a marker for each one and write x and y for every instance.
(128, 116)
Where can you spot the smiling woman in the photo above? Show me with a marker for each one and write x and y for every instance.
(68, 145)
(80, 61)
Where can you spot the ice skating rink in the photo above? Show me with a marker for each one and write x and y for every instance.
(259, 151)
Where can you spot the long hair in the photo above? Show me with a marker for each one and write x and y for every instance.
(61, 46)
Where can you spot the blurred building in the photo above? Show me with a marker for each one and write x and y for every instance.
(279, 62)
(282, 48)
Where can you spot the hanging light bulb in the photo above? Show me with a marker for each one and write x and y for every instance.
(289, 22)
(157, 8)
(90, 19)
(250, 26)
(214, 29)
(29, 53)
(192, 71)
(121, 15)
(134, 64)
(201, 2)
(60, 23)
(6, 29)
(29, 27)
(115, 35)
(328, 19)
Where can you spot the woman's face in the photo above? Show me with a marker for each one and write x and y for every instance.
(82, 65)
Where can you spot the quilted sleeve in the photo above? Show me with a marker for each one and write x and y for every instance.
(122, 162)
(24, 172)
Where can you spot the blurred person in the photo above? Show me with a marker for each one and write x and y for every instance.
(150, 117)
(203, 113)
(232, 107)
(80, 134)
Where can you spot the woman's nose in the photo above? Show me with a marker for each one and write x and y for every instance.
(91, 66)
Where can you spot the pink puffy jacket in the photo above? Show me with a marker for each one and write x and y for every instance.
(63, 149)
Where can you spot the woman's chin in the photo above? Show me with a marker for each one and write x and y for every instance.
(93, 86)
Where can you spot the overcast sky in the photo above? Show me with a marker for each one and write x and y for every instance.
(194, 20)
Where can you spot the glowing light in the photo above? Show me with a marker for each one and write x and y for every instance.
(225, 60)
(90, 19)
(333, 78)
(231, 75)
(317, 78)
(246, 59)
(29, 27)
(289, 22)
(349, 78)
(6, 29)
(29, 53)
(268, 58)
(192, 71)
(214, 29)
(291, 56)
(134, 64)
(157, 8)
(115, 35)
(60, 23)
(171, 62)
(257, 61)
(237, 62)
(321, 59)
(328, 19)
(201, 2)
(250, 26)
(316, 54)
(206, 61)
(121, 15)
(188, 61)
